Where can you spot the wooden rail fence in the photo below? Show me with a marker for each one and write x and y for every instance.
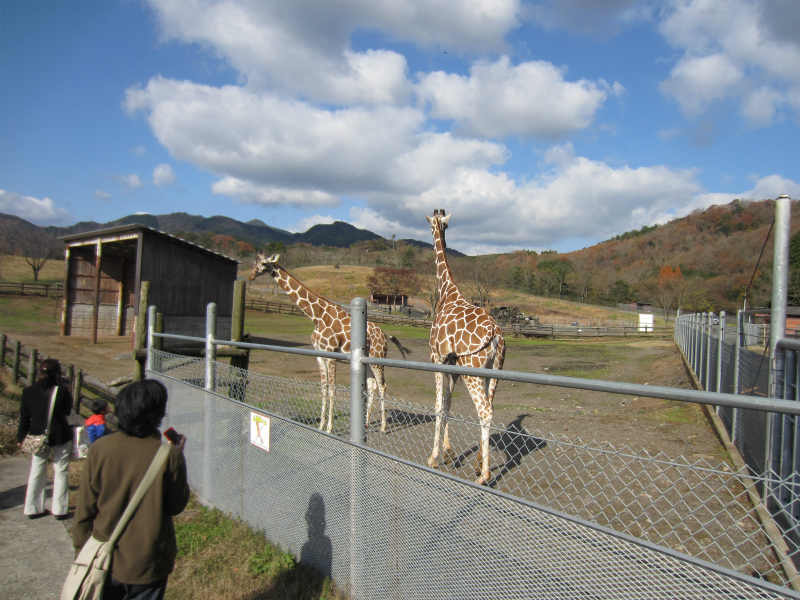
(50, 290)
(22, 362)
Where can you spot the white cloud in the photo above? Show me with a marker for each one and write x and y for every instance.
(734, 49)
(247, 192)
(131, 182)
(498, 99)
(39, 211)
(163, 175)
(304, 46)
(104, 196)
(698, 81)
(273, 143)
(305, 224)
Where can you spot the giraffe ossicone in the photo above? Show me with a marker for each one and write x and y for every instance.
(465, 335)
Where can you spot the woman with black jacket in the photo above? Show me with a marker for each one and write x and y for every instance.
(33, 414)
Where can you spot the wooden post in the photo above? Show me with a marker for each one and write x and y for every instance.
(139, 331)
(98, 254)
(32, 359)
(64, 327)
(3, 339)
(237, 335)
(77, 393)
(158, 343)
(15, 362)
(120, 299)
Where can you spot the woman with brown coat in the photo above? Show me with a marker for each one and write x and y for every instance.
(145, 554)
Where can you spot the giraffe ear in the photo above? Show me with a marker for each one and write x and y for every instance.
(429, 219)
(446, 219)
(274, 258)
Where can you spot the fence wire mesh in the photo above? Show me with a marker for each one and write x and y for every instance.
(385, 528)
(695, 508)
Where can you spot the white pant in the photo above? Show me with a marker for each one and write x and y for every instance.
(37, 481)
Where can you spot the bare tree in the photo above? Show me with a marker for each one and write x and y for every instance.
(484, 277)
(37, 247)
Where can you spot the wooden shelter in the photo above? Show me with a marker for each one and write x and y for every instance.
(104, 272)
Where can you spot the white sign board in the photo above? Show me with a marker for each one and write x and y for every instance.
(646, 322)
(259, 430)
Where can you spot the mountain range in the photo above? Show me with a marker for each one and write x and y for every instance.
(338, 234)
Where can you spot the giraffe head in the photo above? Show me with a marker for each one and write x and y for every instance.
(262, 265)
(438, 221)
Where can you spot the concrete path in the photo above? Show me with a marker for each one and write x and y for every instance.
(35, 554)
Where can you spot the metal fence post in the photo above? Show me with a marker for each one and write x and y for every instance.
(777, 326)
(358, 388)
(722, 317)
(211, 347)
(358, 370)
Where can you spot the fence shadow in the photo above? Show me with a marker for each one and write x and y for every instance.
(514, 442)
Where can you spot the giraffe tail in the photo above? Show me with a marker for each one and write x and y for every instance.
(403, 349)
(450, 359)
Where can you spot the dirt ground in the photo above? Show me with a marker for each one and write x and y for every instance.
(640, 423)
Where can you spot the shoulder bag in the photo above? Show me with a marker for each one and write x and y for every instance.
(89, 571)
(38, 444)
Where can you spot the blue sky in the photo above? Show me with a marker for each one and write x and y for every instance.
(550, 124)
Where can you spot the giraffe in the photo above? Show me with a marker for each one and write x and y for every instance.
(465, 335)
(331, 334)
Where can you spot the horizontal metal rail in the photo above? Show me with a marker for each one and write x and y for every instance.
(631, 389)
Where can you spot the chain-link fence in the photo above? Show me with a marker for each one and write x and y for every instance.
(663, 506)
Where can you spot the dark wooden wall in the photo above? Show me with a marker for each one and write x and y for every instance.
(183, 281)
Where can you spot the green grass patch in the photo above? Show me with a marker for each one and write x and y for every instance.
(35, 313)
(222, 558)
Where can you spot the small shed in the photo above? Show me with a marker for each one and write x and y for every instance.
(104, 271)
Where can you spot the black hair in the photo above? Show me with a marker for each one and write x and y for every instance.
(99, 405)
(49, 373)
(140, 407)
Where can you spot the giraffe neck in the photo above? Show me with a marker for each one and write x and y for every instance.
(311, 304)
(447, 286)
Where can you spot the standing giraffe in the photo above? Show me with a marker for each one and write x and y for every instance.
(331, 334)
(465, 335)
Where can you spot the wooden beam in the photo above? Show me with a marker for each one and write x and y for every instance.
(64, 325)
(120, 298)
(98, 254)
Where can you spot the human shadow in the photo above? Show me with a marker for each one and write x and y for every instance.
(514, 442)
(317, 551)
(13, 497)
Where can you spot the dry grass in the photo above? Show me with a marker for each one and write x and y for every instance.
(10, 396)
(14, 269)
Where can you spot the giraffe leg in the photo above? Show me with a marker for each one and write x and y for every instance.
(483, 405)
(448, 454)
(370, 398)
(433, 461)
(380, 387)
(483, 455)
(331, 391)
(323, 373)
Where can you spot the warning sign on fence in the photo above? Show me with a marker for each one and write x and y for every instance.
(259, 430)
